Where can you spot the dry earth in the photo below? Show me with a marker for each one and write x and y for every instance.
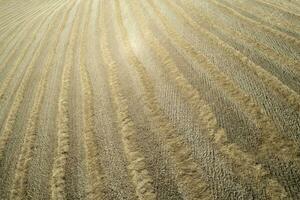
(149, 99)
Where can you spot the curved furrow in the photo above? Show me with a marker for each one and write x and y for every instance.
(10, 51)
(292, 40)
(14, 17)
(58, 179)
(16, 67)
(20, 18)
(217, 169)
(15, 21)
(76, 172)
(40, 170)
(16, 37)
(19, 181)
(281, 9)
(9, 6)
(174, 99)
(15, 28)
(10, 38)
(18, 188)
(118, 183)
(279, 110)
(25, 17)
(292, 64)
(10, 15)
(271, 138)
(13, 112)
(5, 7)
(245, 162)
(266, 16)
(268, 79)
(95, 173)
(154, 150)
(226, 17)
(293, 3)
(287, 5)
(77, 181)
(192, 188)
(138, 170)
(278, 19)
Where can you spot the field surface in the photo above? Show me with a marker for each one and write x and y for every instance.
(150, 99)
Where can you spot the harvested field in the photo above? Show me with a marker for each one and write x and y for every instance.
(151, 99)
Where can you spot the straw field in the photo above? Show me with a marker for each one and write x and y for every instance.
(149, 99)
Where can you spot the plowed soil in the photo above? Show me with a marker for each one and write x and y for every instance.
(149, 99)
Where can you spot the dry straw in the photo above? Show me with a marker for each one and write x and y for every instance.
(12, 31)
(268, 79)
(20, 94)
(188, 178)
(20, 178)
(270, 134)
(272, 20)
(95, 176)
(30, 12)
(137, 167)
(248, 105)
(285, 61)
(279, 8)
(16, 64)
(246, 162)
(258, 24)
(25, 32)
(58, 178)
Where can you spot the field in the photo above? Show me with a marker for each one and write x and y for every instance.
(150, 99)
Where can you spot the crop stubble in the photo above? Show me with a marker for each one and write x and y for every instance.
(120, 99)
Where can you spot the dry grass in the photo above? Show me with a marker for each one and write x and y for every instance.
(21, 174)
(141, 179)
(63, 122)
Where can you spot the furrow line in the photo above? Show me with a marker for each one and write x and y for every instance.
(137, 167)
(15, 22)
(281, 9)
(20, 93)
(11, 32)
(23, 12)
(278, 21)
(8, 53)
(18, 190)
(291, 64)
(95, 176)
(6, 9)
(9, 8)
(294, 7)
(95, 173)
(287, 150)
(40, 177)
(188, 176)
(265, 17)
(268, 79)
(17, 40)
(58, 179)
(12, 73)
(245, 163)
(277, 33)
(13, 16)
